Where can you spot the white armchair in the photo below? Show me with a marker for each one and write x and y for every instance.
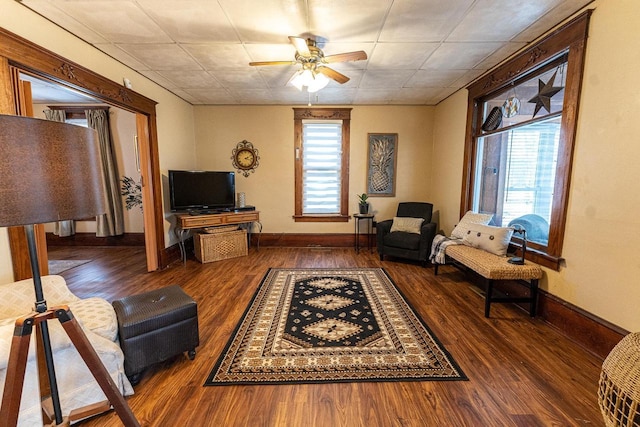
(77, 386)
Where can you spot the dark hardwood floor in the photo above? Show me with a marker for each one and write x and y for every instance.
(521, 371)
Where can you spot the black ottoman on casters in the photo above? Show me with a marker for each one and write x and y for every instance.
(155, 326)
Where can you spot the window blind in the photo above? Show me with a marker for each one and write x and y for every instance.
(321, 163)
(531, 165)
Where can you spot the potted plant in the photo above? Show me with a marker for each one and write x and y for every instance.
(362, 203)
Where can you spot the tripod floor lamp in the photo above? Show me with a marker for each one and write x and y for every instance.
(50, 172)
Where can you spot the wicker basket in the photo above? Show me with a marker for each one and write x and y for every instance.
(619, 391)
(210, 247)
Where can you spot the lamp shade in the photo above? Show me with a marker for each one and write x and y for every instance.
(310, 79)
(49, 171)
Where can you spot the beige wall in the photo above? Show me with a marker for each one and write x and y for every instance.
(600, 247)
(602, 267)
(271, 187)
(174, 116)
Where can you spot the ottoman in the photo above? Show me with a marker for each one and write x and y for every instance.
(155, 326)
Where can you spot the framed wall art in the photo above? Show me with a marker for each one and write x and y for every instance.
(381, 164)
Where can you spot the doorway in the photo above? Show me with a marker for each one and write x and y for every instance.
(17, 56)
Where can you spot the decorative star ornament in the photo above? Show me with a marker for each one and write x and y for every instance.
(545, 92)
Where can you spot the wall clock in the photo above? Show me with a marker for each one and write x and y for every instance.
(245, 158)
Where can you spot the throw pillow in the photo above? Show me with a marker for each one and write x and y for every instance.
(491, 239)
(407, 224)
(467, 220)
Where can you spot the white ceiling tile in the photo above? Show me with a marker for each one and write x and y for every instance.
(253, 96)
(120, 55)
(347, 20)
(468, 77)
(434, 78)
(550, 19)
(54, 14)
(414, 96)
(186, 96)
(276, 76)
(380, 79)
(206, 20)
(204, 46)
(219, 55)
(334, 96)
(240, 78)
(46, 92)
(118, 21)
(444, 94)
(266, 21)
(500, 55)
(291, 95)
(270, 52)
(401, 55)
(162, 56)
(212, 96)
(158, 79)
(375, 96)
(190, 79)
(423, 20)
(499, 20)
(456, 56)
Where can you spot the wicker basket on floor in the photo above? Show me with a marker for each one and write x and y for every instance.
(619, 391)
(209, 247)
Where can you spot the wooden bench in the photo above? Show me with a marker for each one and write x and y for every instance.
(493, 267)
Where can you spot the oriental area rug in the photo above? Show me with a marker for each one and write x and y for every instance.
(331, 325)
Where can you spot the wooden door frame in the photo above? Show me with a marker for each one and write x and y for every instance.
(20, 53)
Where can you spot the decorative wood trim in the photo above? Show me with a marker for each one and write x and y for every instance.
(561, 39)
(321, 218)
(148, 186)
(343, 114)
(567, 40)
(33, 59)
(7, 100)
(47, 64)
(594, 334)
(322, 113)
(304, 240)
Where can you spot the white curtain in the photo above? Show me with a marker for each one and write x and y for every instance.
(111, 223)
(62, 228)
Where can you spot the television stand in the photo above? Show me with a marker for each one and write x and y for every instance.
(195, 212)
(194, 220)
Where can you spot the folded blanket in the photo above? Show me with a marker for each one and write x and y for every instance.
(439, 246)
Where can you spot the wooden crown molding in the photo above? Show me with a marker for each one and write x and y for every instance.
(322, 113)
(45, 63)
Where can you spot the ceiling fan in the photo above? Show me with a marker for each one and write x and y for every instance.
(314, 74)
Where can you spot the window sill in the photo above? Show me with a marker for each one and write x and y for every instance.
(545, 260)
(321, 218)
(538, 257)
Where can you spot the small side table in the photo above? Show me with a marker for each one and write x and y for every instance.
(368, 218)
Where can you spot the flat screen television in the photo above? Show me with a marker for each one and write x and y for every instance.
(202, 191)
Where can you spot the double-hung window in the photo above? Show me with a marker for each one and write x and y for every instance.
(321, 164)
(522, 120)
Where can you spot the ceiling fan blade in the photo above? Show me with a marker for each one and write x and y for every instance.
(272, 63)
(301, 46)
(333, 74)
(344, 57)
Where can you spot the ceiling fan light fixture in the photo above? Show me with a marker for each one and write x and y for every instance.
(310, 79)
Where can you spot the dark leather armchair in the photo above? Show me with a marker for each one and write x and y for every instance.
(403, 244)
